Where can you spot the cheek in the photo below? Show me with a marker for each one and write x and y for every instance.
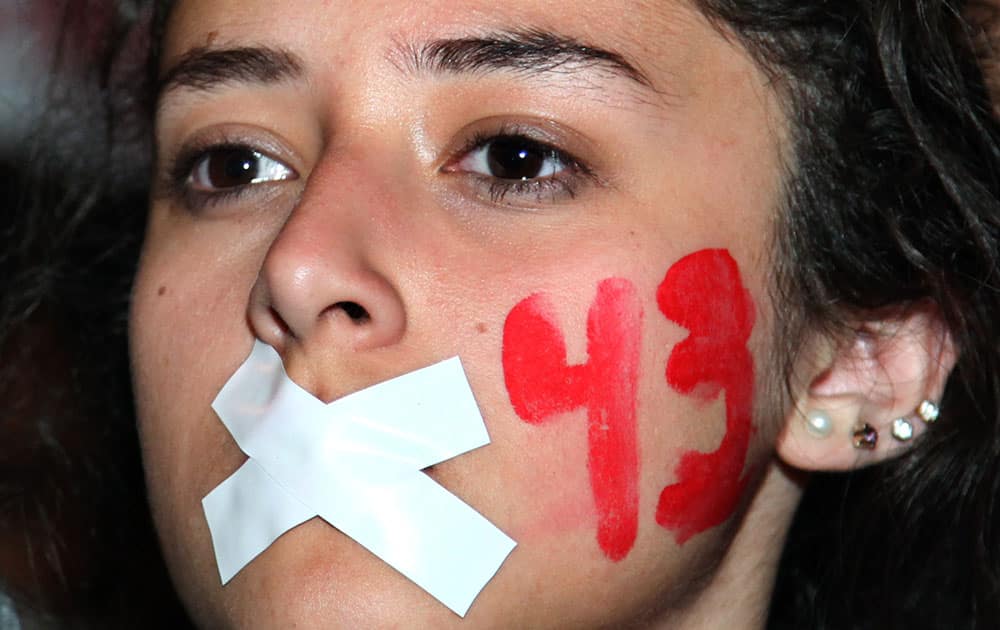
(176, 346)
(180, 358)
(187, 323)
(542, 387)
(703, 293)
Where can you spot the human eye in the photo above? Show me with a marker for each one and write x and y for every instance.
(225, 168)
(512, 164)
(222, 172)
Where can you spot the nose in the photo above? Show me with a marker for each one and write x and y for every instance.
(324, 280)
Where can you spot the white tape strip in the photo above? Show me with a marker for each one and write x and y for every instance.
(356, 463)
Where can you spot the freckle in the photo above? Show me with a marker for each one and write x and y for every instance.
(162, 291)
(481, 327)
(212, 35)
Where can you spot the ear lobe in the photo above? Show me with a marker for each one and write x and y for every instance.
(881, 374)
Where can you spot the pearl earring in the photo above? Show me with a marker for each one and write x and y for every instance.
(819, 423)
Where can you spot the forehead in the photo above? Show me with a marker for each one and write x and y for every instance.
(652, 36)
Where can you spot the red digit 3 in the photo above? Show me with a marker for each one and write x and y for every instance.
(703, 293)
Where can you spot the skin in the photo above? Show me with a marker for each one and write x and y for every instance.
(384, 213)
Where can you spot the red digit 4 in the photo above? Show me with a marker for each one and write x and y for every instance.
(541, 385)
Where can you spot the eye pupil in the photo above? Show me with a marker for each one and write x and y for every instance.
(232, 167)
(514, 158)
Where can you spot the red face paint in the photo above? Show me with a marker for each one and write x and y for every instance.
(541, 385)
(703, 293)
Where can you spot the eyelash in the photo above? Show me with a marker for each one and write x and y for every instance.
(565, 183)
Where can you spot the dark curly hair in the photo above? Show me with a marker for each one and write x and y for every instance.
(892, 199)
(76, 542)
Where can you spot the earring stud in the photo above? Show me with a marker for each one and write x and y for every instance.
(902, 430)
(865, 437)
(928, 411)
(819, 423)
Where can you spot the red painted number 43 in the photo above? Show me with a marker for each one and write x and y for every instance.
(703, 293)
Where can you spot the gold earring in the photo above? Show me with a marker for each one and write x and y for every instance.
(865, 437)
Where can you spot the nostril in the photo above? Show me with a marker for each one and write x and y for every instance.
(355, 311)
(279, 326)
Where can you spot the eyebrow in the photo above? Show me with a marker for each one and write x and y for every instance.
(534, 52)
(203, 68)
(530, 51)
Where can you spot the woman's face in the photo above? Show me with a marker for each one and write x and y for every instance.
(371, 189)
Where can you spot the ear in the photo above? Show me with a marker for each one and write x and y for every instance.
(883, 372)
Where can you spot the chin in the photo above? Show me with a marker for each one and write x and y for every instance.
(312, 577)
